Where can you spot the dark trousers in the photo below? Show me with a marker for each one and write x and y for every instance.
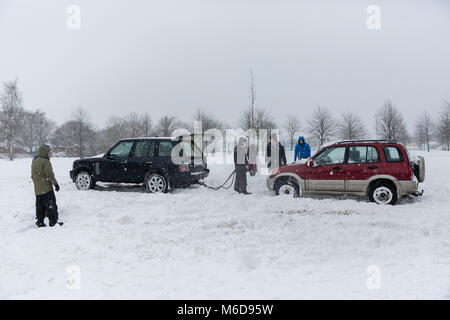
(46, 206)
(240, 183)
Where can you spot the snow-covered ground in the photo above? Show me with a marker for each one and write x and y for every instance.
(199, 243)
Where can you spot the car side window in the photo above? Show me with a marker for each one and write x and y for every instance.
(363, 154)
(143, 149)
(165, 149)
(392, 154)
(334, 155)
(122, 149)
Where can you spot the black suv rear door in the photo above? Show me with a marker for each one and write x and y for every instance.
(141, 160)
(162, 159)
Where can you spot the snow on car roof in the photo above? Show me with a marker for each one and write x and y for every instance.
(150, 138)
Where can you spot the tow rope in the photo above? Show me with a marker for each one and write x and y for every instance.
(232, 175)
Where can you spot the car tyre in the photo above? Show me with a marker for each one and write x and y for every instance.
(287, 187)
(383, 193)
(156, 183)
(84, 181)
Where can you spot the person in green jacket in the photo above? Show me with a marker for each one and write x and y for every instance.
(44, 180)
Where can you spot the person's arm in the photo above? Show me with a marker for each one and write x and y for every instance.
(283, 156)
(48, 172)
(308, 151)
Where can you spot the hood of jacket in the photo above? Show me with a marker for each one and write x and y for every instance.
(301, 138)
(44, 151)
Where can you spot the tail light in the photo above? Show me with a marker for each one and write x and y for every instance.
(184, 167)
(410, 173)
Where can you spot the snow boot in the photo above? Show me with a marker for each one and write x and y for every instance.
(41, 224)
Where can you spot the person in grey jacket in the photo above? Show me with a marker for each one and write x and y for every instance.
(241, 167)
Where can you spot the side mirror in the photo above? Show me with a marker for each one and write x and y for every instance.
(310, 163)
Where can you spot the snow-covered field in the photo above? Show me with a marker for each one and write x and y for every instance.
(198, 243)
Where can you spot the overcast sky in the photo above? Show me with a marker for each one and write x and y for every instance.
(175, 56)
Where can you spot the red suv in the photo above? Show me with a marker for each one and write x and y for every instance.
(379, 169)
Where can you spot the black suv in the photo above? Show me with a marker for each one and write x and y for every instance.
(143, 160)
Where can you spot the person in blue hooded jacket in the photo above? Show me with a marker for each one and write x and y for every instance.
(302, 149)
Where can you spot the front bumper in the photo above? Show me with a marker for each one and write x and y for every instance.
(72, 176)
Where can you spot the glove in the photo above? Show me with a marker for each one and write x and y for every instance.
(57, 187)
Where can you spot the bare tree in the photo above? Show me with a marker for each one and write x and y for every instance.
(390, 124)
(146, 126)
(351, 127)
(442, 129)
(166, 126)
(37, 129)
(321, 126)
(113, 131)
(209, 121)
(65, 135)
(83, 131)
(132, 124)
(11, 115)
(254, 117)
(27, 136)
(424, 130)
(292, 126)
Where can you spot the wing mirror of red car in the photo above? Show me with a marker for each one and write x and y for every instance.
(310, 163)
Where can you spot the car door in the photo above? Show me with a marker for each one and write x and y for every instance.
(363, 163)
(328, 174)
(114, 168)
(163, 152)
(141, 160)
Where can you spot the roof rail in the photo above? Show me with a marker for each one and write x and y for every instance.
(368, 140)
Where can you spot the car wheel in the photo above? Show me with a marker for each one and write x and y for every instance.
(287, 188)
(84, 181)
(383, 193)
(156, 183)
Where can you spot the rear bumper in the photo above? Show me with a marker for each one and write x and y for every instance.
(408, 187)
(186, 178)
(195, 176)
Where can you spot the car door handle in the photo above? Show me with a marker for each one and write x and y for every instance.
(149, 162)
(372, 167)
(124, 162)
(337, 168)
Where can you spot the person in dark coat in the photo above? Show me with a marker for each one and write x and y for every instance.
(302, 149)
(44, 180)
(277, 161)
(241, 167)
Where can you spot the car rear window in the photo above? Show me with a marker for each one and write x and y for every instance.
(392, 154)
(165, 148)
(363, 154)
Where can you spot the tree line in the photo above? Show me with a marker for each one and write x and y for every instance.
(23, 130)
